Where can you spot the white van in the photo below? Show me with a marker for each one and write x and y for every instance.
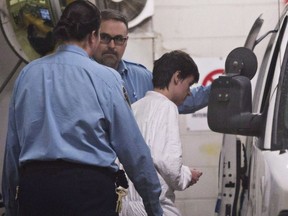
(253, 166)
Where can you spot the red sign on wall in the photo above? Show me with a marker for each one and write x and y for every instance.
(211, 76)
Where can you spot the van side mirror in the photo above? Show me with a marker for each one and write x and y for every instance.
(230, 100)
(241, 61)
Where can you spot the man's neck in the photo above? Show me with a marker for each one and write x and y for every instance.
(164, 92)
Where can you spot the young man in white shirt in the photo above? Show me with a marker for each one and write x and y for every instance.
(157, 117)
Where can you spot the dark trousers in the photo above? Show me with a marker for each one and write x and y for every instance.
(64, 189)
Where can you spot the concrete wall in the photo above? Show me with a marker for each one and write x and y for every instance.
(203, 28)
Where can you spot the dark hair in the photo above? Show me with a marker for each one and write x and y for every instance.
(78, 20)
(110, 14)
(169, 63)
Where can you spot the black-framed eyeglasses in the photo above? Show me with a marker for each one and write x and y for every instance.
(118, 39)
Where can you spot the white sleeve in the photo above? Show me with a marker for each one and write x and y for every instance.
(168, 157)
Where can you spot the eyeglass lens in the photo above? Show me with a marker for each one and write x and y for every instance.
(118, 39)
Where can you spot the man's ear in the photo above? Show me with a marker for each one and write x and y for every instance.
(176, 77)
(94, 36)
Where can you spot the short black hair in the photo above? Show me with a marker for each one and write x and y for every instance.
(78, 19)
(170, 63)
(110, 14)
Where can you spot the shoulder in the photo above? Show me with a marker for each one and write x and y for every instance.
(105, 74)
(153, 99)
(168, 107)
(134, 64)
(136, 67)
(34, 65)
(137, 71)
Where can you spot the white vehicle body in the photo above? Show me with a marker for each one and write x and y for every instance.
(253, 168)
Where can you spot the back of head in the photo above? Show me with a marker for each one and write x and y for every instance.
(109, 14)
(78, 20)
(170, 63)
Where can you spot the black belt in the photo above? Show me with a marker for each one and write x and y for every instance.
(34, 166)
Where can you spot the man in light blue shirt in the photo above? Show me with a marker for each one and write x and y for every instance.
(68, 122)
(137, 79)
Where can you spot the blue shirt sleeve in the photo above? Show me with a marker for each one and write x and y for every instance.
(197, 100)
(133, 152)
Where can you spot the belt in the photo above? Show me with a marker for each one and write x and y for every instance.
(35, 165)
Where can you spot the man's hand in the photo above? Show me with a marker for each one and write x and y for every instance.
(195, 176)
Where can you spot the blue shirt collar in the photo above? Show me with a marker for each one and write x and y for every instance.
(122, 68)
(72, 48)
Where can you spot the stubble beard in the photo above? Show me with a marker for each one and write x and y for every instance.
(110, 61)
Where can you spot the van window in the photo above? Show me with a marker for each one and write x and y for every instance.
(280, 135)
